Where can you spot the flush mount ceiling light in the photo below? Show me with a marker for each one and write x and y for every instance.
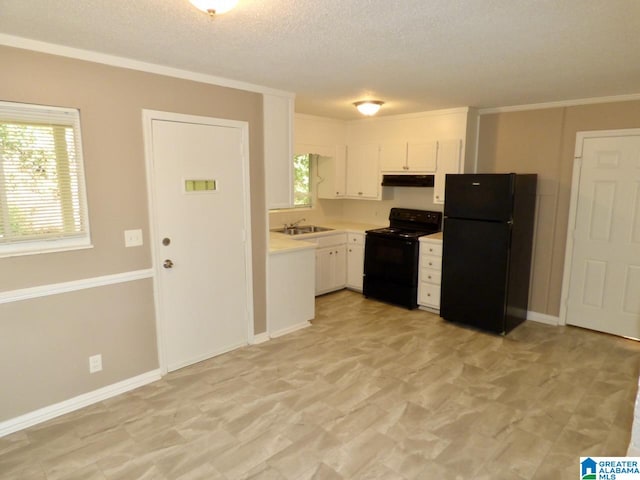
(214, 7)
(368, 107)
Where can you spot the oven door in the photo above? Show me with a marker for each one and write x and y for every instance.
(391, 259)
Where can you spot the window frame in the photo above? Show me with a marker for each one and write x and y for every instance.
(311, 189)
(41, 114)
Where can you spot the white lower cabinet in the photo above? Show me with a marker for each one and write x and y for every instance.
(430, 273)
(355, 260)
(339, 262)
(331, 262)
(331, 269)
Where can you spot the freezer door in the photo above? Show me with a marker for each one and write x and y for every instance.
(474, 273)
(481, 196)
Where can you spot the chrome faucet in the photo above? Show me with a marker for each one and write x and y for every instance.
(294, 224)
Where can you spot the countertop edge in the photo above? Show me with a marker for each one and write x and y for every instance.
(280, 243)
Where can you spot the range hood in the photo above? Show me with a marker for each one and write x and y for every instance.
(407, 180)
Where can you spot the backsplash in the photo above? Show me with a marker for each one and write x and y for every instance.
(322, 210)
(377, 212)
(361, 211)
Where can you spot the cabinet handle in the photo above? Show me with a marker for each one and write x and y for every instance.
(431, 249)
(430, 263)
(359, 193)
(350, 250)
(330, 253)
(429, 277)
(428, 294)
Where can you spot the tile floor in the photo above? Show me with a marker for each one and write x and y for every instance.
(370, 391)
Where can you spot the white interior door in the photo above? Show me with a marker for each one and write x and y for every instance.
(201, 235)
(604, 286)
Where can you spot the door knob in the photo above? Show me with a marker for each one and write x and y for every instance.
(167, 263)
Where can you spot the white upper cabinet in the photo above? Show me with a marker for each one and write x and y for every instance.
(425, 143)
(408, 157)
(331, 173)
(421, 157)
(363, 171)
(393, 157)
(449, 161)
(278, 150)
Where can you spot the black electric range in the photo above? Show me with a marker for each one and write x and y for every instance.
(391, 256)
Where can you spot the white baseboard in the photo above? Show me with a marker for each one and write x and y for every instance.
(543, 318)
(76, 403)
(290, 329)
(260, 338)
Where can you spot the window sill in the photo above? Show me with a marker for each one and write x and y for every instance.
(301, 208)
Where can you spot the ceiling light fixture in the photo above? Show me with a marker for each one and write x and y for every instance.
(368, 107)
(214, 7)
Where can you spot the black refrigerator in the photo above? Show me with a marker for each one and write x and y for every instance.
(486, 256)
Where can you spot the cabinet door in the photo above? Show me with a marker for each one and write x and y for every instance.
(422, 157)
(278, 150)
(331, 174)
(393, 157)
(340, 182)
(355, 266)
(363, 171)
(324, 257)
(339, 267)
(331, 269)
(449, 161)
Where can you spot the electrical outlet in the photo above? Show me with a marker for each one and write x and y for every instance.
(95, 363)
(132, 238)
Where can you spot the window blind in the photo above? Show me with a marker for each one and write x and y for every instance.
(42, 192)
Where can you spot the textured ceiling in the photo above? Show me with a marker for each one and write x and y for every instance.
(414, 55)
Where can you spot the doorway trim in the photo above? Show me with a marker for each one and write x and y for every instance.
(573, 207)
(148, 116)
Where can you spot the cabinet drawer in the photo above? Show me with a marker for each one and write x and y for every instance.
(430, 261)
(428, 248)
(355, 238)
(430, 275)
(328, 240)
(429, 295)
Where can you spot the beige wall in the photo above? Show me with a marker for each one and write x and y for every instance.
(46, 343)
(111, 101)
(543, 142)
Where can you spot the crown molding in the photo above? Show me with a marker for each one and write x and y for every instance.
(122, 62)
(318, 118)
(562, 103)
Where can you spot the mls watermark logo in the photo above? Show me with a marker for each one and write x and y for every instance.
(610, 468)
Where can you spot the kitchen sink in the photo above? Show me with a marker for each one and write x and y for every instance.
(301, 229)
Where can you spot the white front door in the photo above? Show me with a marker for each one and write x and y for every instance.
(604, 285)
(201, 231)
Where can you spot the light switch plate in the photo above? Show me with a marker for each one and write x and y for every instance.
(132, 238)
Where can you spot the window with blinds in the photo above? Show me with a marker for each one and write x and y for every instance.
(42, 195)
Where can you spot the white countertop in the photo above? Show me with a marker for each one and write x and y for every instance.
(281, 243)
(433, 236)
